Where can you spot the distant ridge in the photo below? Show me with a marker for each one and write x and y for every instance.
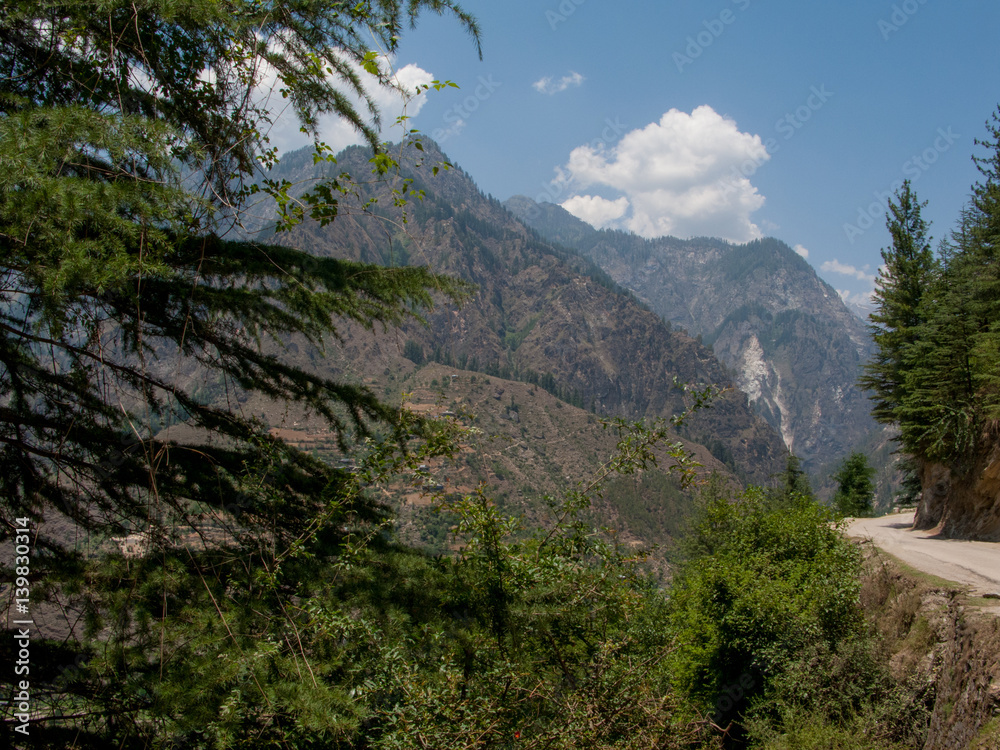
(542, 313)
(786, 336)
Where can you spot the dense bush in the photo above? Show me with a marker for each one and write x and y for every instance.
(770, 636)
(765, 581)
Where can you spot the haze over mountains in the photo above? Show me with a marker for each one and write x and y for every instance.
(607, 320)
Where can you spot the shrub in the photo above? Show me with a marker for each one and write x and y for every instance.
(765, 581)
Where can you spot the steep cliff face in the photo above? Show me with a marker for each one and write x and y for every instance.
(965, 507)
(790, 342)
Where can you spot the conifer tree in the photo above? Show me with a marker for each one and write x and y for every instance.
(938, 411)
(982, 266)
(132, 136)
(937, 325)
(793, 485)
(910, 486)
(953, 376)
(855, 490)
(909, 267)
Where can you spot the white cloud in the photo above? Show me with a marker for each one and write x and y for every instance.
(286, 136)
(444, 134)
(596, 211)
(845, 269)
(548, 86)
(857, 298)
(802, 250)
(862, 301)
(683, 176)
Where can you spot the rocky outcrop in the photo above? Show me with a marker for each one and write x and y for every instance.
(966, 679)
(943, 650)
(966, 507)
(785, 335)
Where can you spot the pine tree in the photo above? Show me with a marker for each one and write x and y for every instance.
(981, 261)
(909, 267)
(793, 485)
(952, 381)
(855, 490)
(132, 137)
(910, 485)
(938, 411)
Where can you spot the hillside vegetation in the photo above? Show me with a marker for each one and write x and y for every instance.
(388, 471)
(540, 314)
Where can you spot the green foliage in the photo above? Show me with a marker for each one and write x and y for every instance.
(131, 140)
(848, 698)
(326, 632)
(413, 352)
(855, 490)
(764, 257)
(811, 730)
(910, 487)
(770, 637)
(340, 637)
(792, 484)
(937, 370)
(766, 580)
(513, 339)
(909, 268)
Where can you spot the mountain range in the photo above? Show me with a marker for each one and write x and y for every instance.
(604, 321)
(786, 336)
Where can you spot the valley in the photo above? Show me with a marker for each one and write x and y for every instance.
(309, 441)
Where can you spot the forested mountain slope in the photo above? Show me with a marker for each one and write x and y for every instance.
(790, 342)
(539, 313)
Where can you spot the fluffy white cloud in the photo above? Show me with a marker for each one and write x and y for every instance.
(845, 269)
(595, 210)
(549, 86)
(802, 250)
(686, 175)
(391, 102)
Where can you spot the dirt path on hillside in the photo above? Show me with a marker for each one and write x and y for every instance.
(974, 564)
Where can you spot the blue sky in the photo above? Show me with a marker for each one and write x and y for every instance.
(731, 118)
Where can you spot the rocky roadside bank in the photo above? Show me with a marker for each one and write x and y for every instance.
(944, 644)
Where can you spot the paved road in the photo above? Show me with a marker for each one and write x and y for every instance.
(976, 564)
